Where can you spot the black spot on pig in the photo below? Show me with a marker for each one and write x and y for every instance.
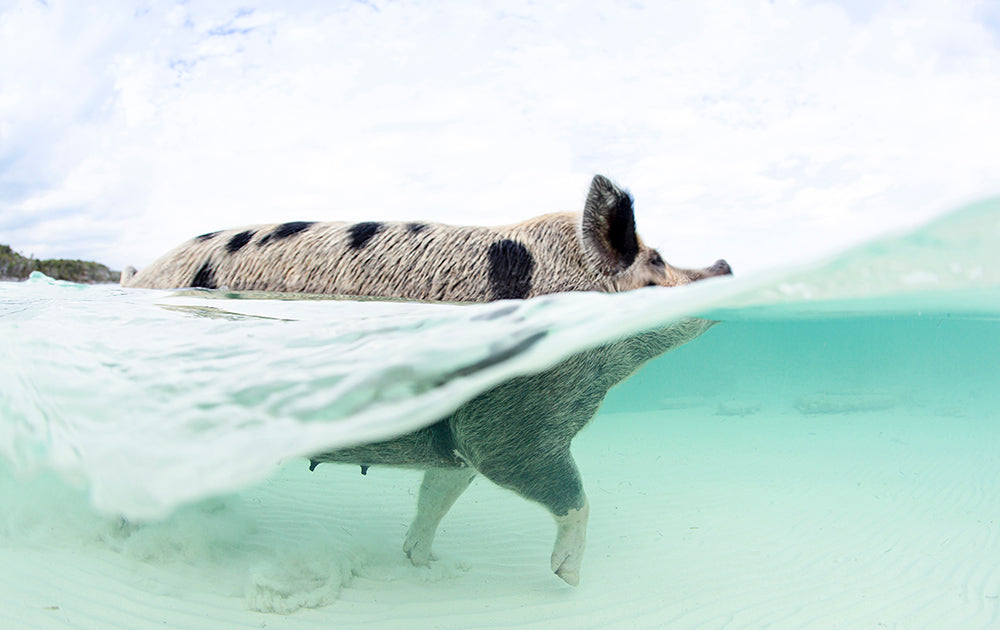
(237, 242)
(511, 265)
(361, 233)
(205, 277)
(285, 230)
(206, 237)
(415, 228)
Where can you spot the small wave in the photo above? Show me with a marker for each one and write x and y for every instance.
(155, 399)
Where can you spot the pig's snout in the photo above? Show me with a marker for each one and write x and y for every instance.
(719, 268)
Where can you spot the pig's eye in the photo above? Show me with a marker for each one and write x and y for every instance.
(656, 261)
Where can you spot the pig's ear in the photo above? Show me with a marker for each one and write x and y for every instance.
(608, 227)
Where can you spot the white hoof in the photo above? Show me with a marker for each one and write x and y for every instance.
(571, 539)
(417, 547)
(438, 491)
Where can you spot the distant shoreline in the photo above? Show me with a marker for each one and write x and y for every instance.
(14, 266)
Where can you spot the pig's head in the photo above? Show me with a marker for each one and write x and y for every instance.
(612, 246)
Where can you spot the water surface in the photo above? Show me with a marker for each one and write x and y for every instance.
(827, 455)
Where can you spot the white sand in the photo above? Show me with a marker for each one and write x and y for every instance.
(769, 519)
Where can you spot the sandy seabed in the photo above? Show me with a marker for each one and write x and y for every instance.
(700, 518)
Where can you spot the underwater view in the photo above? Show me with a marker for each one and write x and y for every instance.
(823, 451)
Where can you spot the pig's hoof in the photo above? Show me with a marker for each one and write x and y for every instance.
(568, 570)
(418, 550)
(566, 564)
(571, 539)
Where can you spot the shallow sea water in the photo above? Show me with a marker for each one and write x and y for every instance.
(827, 456)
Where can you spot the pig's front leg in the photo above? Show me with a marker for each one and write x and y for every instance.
(553, 480)
(571, 539)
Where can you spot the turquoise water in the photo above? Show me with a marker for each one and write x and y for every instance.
(828, 453)
(846, 364)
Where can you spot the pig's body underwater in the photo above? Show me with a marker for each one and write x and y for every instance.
(517, 434)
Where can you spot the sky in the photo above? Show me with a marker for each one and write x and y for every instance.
(766, 133)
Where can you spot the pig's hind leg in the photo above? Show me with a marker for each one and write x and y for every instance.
(439, 490)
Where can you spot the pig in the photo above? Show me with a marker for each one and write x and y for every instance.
(596, 250)
(516, 434)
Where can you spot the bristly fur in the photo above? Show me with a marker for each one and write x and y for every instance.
(516, 434)
(597, 250)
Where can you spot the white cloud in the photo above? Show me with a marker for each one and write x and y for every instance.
(760, 132)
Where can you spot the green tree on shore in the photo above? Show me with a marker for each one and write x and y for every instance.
(14, 266)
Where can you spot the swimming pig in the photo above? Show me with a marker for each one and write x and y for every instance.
(596, 250)
(517, 434)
